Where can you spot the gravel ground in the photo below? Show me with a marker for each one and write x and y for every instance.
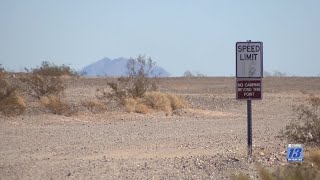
(206, 141)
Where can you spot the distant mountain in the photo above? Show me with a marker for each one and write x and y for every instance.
(115, 67)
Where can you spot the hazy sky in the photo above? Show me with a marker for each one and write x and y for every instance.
(180, 35)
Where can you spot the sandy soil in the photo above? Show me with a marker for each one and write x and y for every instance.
(205, 141)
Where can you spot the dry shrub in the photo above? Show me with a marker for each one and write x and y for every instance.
(56, 105)
(50, 69)
(39, 86)
(314, 157)
(190, 74)
(293, 172)
(155, 101)
(264, 173)
(11, 103)
(2, 71)
(305, 127)
(46, 80)
(284, 173)
(94, 106)
(119, 91)
(302, 171)
(44, 100)
(140, 79)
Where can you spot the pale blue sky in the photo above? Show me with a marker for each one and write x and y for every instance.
(180, 35)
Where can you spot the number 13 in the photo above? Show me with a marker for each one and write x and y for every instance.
(295, 152)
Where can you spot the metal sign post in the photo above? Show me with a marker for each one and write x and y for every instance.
(249, 123)
(249, 73)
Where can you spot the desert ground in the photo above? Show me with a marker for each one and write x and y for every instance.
(208, 140)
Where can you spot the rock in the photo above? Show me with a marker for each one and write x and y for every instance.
(234, 159)
(261, 153)
(271, 159)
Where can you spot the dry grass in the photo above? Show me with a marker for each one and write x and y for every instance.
(56, 105)
(314, 157)
(240, 177)
(137, 105)
(11, 103)
(142, 108)
(158, 101)
(295, 173)
(94, 106)
(308, 170)
(131, 104)
(177, 102)
(155, 101)
(264, 173)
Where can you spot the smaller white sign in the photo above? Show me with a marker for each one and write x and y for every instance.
(249, 59)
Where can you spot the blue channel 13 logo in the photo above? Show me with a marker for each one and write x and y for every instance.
(295, 153)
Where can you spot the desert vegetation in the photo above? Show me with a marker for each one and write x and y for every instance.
(305, 127)
(155, 101)
(46, 80)
(274, 73)
(141, 92)
(56, 105)
(94, 106)
(2, 70)
(51, 69)
(11, 101)
(310, 169)
(137, 90)
(191, 74)
(39, 86)
(44, 83)
(74, 134)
